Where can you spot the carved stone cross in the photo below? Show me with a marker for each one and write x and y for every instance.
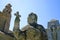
(17, 14)
(16, 26)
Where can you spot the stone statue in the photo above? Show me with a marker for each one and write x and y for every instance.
(7, 12)
(33, 30)
(54, 32)
(16, 29)
(5, 17)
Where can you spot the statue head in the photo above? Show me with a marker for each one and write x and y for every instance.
(32, 18)
(8, 5)
(7, 9)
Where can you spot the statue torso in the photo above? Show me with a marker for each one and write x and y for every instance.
(37, 33)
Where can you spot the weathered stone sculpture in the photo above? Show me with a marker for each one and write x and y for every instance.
(5, 17)
(33, 30)
(16, 29)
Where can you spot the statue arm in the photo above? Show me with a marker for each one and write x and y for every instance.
(43, 32)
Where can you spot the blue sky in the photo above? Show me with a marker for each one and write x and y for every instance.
(45, 9)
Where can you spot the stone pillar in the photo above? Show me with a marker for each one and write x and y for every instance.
(16, 29)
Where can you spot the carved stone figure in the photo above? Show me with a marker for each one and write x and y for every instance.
(33, 30)
(8, 15)
(5, 17)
